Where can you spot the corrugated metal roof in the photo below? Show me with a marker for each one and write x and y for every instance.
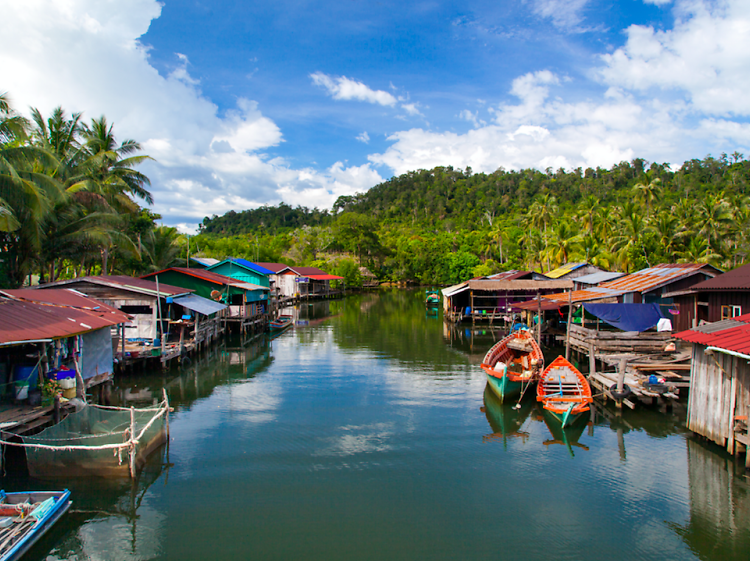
(733, 338)
(640, 281)
(325, 277)
(597, 278)
(28, 321)
(70, 298)
(564, 270)
(244, 263)
(736, 279)
(122, 282)
(274, 267)
(509, 275)
(455, 289)
(205, 261)
(534, 305)
(210, 276)
(199, 304)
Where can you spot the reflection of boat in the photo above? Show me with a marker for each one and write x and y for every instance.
(505, 421)
(432, 298)
(567, 436)
(281, 323)
(512, 363)
(563, 391)
(25, 517)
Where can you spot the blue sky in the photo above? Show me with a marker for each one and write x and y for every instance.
(250, 103)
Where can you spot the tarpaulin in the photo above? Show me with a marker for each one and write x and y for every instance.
(628, 317)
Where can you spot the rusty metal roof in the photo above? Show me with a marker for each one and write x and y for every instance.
(736, 279)
(731, 335)
(121, 282)
(68, 298)
(644, 280)
(22, 321)
(208, 276)
(509, 275)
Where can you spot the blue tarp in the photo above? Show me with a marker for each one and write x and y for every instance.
(628, 317)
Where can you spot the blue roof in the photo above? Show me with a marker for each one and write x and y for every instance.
(247, 265)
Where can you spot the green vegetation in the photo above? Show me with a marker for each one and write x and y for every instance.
(445, 225)
(68, 196)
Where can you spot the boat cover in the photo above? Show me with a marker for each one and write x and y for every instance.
(628, 317)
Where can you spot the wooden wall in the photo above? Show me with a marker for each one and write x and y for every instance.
(719, 390)
(730, 298)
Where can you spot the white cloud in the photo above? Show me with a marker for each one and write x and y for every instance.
(343, 88)
(364, 137)
(85, 55)
(657, 2)
(412, 109)
(705, 57)
(565, 14)
(473, 118)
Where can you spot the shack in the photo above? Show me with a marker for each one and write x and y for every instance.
(247, 303)
(722, 297)
(595, 279)
(95, 344)
(719, 403)
(491, 299)
(306, 282)
(243, 270)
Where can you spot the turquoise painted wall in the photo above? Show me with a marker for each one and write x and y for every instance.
(241, 273)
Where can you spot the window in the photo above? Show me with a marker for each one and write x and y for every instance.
(728, 312)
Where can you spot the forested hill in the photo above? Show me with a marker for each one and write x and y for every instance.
(453, 198)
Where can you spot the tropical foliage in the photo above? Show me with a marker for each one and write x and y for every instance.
(69, 197)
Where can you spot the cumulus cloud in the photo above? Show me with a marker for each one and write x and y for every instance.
(705, 57)
(343, 88)
(206, 163)
(364, 137)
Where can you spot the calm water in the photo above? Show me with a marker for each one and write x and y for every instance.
(366, 433)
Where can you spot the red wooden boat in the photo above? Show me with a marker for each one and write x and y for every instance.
(512, 363)
(564, 391)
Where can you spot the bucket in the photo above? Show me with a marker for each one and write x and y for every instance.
(22, 390)
(24, 376)
(69, 394)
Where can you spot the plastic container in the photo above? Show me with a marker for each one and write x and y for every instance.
(69, 394)
(24, 377)
(67, 383)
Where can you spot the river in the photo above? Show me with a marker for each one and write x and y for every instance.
(366, 432)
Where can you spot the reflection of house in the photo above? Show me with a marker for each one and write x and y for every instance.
(58, 329)
(569, 271)
(719, 406)
(722, 297)
(248, 303)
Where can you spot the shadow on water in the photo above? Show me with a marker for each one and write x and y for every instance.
(505, 419)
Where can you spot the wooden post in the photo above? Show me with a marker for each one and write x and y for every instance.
(732, 405)
(472, 306)
(592, 359)
(621, 380)
(161, 319)
(132, 442)
(122, 362)
(570, 319)
(538, 318)
(166, 415)
(80, 384)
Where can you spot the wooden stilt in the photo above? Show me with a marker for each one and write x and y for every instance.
(132, 443)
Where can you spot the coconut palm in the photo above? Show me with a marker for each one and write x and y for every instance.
(649, 192)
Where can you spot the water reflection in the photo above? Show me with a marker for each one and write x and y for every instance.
(567, 436)
(505, 419)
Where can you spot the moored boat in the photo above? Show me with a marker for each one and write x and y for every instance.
(513, 364)
(25, 517)
(564, 391)
(281, 323)
(432, 298)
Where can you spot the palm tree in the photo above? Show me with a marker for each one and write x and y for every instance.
(715, 216)
(649, 192)
(697, 250)
(564, 241)
(588, 208)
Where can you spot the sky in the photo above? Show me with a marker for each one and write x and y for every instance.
(242, 104)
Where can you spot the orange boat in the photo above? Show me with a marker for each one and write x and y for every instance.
(512, 364)
(564, 391)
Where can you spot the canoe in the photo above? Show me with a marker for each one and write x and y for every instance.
(512, 364)
(281, 323)
(564, 391)
(25, 517)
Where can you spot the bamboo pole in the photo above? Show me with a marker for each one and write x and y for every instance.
(538, 318)
(132, 443)
(158, 311)
(567, 330)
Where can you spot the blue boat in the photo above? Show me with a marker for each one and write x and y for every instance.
(280, 324)
(25, 517)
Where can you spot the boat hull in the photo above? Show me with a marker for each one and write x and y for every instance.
(564, 392)
(503, 387)
(41, 527)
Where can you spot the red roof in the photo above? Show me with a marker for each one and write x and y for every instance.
(122, 282)
(325, 277)
(306, 271)
(509, 275)
(68, 298)
(28, 321)
(730, 334)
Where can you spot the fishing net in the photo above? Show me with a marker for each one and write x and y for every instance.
(92, 428)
